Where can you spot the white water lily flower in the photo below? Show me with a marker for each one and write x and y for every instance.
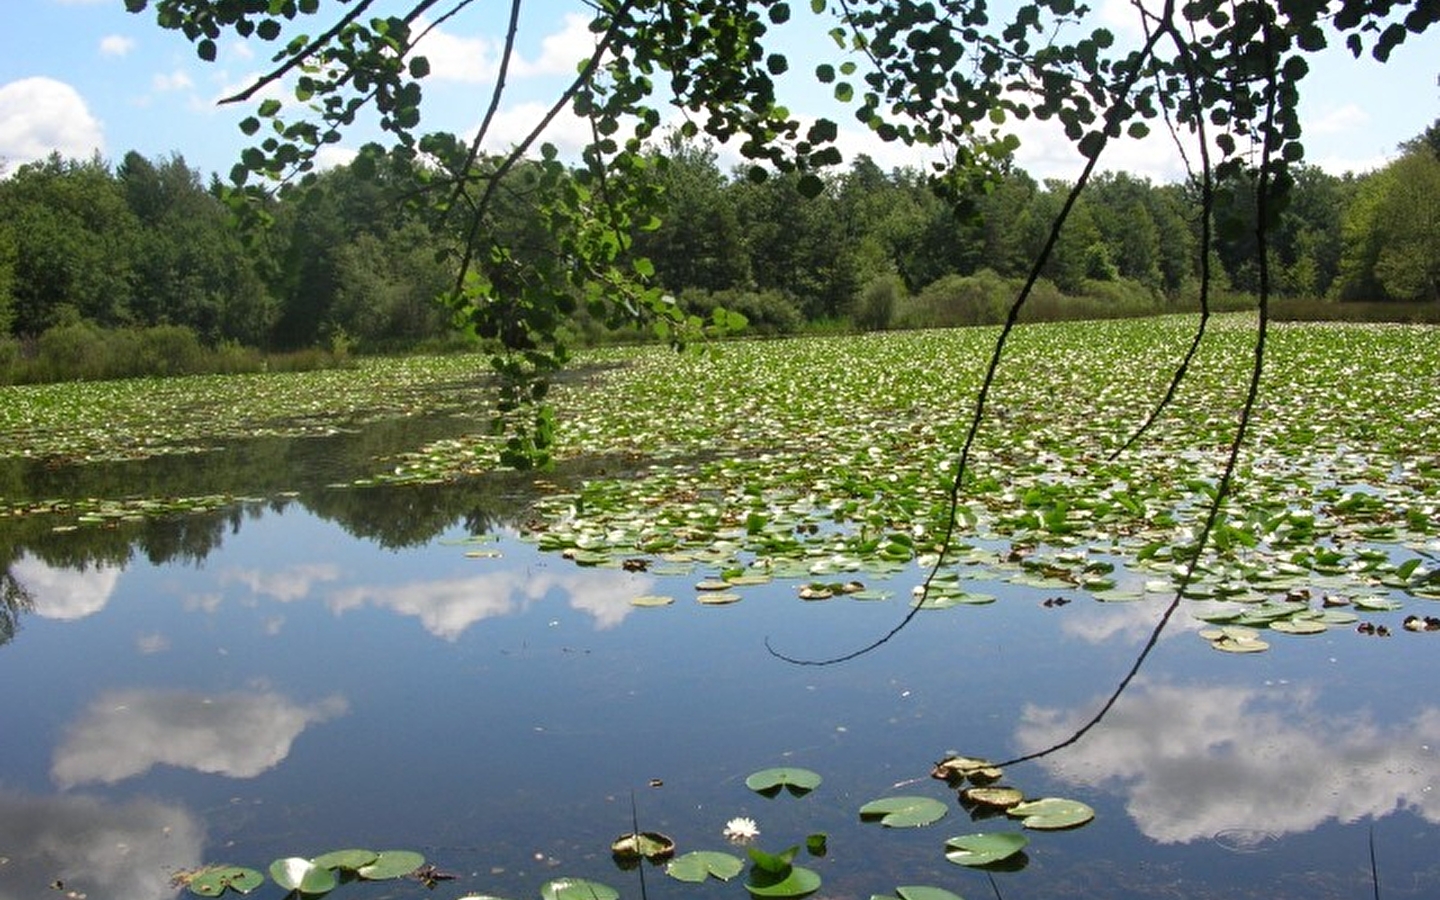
(741, 830)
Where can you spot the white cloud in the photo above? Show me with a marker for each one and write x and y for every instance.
(561, 51)
(66, 594)
(177, 80)
(446, 608)
(97, 847)
(453, 58)
(1197, 761)
(569, 133)
(286, 585)
(128, 732)
(40, 116)
(116, 45)
(330, 156)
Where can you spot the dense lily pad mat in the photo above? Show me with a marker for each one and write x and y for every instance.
(828, 460)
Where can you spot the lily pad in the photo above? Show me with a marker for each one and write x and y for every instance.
(775, 876)
(391, 864)
(1299, 626)
(998, 797)
(905, 811)
(577, 889)
(1052, 814)
(652, 845)
(918, 892)
(718, 598)
(346, 859)
(985, 848)
(1376, 604)
(295, 873)
(652, 600)
(699, 865)
(770, 781)
(213, 881)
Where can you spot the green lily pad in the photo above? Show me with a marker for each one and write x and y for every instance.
(998, 797)
(577, 889)
(213, 881)
(1052, 814)
(789, 881)
(698, 865)
(1376, 604)
(904, 812)
(770, 781)
(391, 864)
(346, 859)
(297, 874)
(918, 892)
(652, 600)
(718, 598)
(1299, 626)
(650, 844)
(985, 848)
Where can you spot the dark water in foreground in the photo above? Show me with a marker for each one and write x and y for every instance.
(356, 668)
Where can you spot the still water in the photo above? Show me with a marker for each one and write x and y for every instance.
(402, 669)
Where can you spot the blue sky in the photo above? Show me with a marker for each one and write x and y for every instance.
(84, 75)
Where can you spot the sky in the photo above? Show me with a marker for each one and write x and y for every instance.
(85, 76)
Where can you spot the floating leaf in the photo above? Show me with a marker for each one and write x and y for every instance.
(770, 781)
(786, 880)
(1299, 626)
(918, 892)
(985, 848)
(577, 889)
(699, 865)
(652, 845)
(1376, 604)
(213, 881)
(391, 864)
(1052, 813)
(297, 874)
(652, 600)
(904, 812)
(346, 859)
(718, 598)
(999, 797)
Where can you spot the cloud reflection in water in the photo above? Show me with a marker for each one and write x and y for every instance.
(127, 732)
(96, 847)
(1194, 761)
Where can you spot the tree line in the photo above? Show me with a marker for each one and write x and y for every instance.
(358, 259)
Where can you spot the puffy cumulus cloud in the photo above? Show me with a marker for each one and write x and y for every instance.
(66, 594)
(166, 82)
(116, 45)
(40, 116)
(561, 51)
(286, 585)
(569, 133)
(97, 848)
(447, 607)
(128, 732)
(476, 59)
(1196, 761)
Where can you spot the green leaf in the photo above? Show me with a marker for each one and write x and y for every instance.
(985, 848)
(346, 859)
(770, 781)
(419, 67)
(297, 874)
(577, 889)
(391, 864)
(215, 880)
(699, 865)
(924, 892)
(1052, 813)
(905, 811)
(794, 881)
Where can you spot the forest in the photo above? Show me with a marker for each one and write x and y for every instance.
(144, 260)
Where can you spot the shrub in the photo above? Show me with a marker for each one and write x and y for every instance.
(768, 312)
(876, 305)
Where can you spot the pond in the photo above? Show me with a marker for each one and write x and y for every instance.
(414, 667)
